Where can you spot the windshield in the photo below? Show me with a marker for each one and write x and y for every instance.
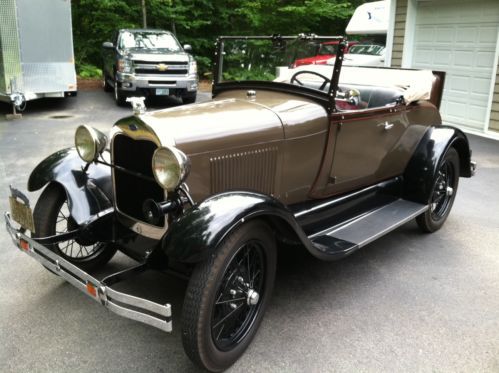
(328, 49)
(268, 59)
(148, 40)
(372, 50)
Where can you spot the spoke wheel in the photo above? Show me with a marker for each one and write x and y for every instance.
(227, 296)
(52, 216)
(443, 193)
(237, 300)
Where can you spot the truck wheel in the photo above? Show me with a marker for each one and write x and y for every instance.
(227, 296)
(443, 193)
(105, 83)
(119, 96)
(189, 99)
(51, 216)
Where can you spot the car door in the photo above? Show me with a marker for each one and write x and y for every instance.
(366, 147)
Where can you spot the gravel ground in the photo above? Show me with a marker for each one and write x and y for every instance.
(407, 302)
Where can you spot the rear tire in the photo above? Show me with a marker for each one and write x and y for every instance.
(105, 82)
(443, 193)
(48, 217)
(227, 296)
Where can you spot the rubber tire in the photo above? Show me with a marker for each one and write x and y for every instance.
(45, 216)
(201, 290)
(105, 83)
(119, 96)
(189, 99)
(425, 221)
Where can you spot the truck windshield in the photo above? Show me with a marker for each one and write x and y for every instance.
(148, 40)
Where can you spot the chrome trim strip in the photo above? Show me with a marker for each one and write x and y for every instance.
(112, 299)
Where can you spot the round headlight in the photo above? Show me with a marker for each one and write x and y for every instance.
(89, 143)
(170, 167)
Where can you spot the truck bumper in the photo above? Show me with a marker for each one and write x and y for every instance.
(177, 84)
(132, 307)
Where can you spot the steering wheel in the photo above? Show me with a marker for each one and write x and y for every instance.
(294, 78)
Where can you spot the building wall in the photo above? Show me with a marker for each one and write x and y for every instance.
(494, 113)
(399, 33)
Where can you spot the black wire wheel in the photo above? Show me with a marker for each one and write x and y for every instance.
(52, 216)
(443, 193)
(227, 296)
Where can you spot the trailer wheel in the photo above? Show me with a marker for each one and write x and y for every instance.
(227, 296)
(51, 216)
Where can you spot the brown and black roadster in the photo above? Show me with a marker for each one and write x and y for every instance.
(322, 156)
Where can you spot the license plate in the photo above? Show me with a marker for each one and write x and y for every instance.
(22, 214)
(162, 91)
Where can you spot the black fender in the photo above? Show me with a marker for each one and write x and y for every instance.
(420, 173)
(195, 235)
(88, 191)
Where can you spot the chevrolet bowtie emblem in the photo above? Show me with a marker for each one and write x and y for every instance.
(162, 67)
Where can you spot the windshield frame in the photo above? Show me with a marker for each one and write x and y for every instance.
(327, 99)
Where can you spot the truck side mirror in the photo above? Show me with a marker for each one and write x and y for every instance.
(187, 48)
(107, 45)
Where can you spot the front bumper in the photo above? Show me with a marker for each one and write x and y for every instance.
(132, 82)
(123, 304)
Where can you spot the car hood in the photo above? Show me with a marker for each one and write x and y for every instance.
(214, 125)
(153, 55)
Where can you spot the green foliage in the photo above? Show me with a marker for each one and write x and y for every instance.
(199, 22)
(89, 71)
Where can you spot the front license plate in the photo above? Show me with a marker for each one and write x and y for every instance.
(22, 214)
(162, 91)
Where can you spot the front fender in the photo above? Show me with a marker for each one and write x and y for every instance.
(88, 192)
(421, 170)
(199, 231)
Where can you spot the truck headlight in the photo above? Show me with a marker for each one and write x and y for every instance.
(125, 66)
(193, 68)
(170, 167)
(89, 143)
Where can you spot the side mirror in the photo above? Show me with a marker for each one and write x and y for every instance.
(187, 48)
(107, 45)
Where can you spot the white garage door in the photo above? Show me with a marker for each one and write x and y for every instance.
(459, 37)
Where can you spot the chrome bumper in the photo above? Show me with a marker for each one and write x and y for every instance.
(132, 82)
(123, 304)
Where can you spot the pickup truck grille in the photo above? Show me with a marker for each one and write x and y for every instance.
(158, 72)
(162, 68)
(131, 190)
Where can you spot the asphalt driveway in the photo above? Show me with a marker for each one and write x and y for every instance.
(407, 302)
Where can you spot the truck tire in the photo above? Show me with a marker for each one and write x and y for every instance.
(227, 296)
(189, 99)
(105, 82)
(119, 96)
(51, 216)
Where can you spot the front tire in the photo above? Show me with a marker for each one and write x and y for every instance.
(189, 99)
(51, 216)
(443, 193)
(119, 96)
(227, 296)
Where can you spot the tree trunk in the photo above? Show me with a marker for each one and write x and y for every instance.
(144, 14)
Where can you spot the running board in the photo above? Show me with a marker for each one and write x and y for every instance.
(350, 236)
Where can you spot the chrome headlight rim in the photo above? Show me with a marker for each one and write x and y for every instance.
(170, 167)
(89, 143)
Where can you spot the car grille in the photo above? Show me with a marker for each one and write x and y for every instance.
(169, 67)
(131, 190)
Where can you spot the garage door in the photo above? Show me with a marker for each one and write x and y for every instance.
(459, 37)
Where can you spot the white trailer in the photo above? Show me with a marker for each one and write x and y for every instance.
(36, 50)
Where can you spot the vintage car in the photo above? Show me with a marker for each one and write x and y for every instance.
(328, 158)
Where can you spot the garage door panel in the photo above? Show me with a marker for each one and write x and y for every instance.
(459, 37)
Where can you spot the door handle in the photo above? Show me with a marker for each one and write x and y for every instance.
(386, 126)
